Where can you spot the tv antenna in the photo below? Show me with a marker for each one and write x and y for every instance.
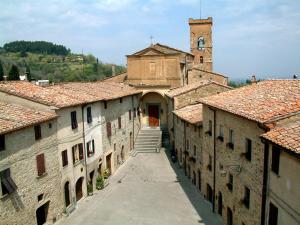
(200, 1)
(151, 39)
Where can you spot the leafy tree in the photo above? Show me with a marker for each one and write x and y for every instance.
(14, 73)
(28, 73)
(1, 72)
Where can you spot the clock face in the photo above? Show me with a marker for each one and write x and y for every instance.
(201, 43)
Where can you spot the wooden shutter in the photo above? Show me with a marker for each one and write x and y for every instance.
(275, 159)
(73, 153)
(40, 162)
(119, 122)
(80, 146)
(74, 120)
(37, 132)
(89, 114)
(108, 129)
(129, 114)
(64, 155)
(93, 146)
(273, 214)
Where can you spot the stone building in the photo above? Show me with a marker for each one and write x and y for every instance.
(188, 95)
(236, 174)
(283, 196)
(188, 140)
(29, 169)
(83, 149)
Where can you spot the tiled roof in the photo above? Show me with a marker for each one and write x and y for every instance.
(119, 78)
(286, 135)
(185, 89)
(262, 102)
(191, 113)
(67, 94)
(164, 49)
(14, 117)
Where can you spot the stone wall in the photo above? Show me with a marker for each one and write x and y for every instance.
(233, 161)
(197, 74)
(20, 156)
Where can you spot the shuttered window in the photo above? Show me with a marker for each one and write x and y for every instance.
(2, 142)
(7, 184)
(89, 115)
(40, 164)
(74, 124)
(37, 132)
(119, 122)
(90, 148)
(129, 113)
(80, 147)
(77, 152)
(64, 157)
(108, 129)
(275, 159)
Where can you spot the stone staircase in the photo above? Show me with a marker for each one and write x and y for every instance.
(148, 141)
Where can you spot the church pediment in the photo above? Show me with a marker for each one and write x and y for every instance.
(149, 51)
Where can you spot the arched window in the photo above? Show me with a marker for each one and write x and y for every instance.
(201, 43)
(201, 59)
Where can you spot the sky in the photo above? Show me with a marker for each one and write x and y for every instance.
(260, 37)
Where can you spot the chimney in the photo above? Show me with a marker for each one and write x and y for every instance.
(113, 70)
(253, 79)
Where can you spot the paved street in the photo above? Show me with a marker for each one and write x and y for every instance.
(146, 190)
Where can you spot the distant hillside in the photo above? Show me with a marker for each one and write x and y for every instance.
(56, 63)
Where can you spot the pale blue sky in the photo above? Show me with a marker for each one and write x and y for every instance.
(259, 37)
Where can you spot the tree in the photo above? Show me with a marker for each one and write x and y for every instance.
(28, 73)
(1, 72)
(14, 73)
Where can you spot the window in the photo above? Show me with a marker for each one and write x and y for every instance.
(230, 144)
(275, 159)
(230, 182)
(221, 133)
(209, 132)
(119, 122)
(40, 164)
(7, 184)
(115, 147)
(187, 144)
(89, 117)
(134, 112)
(129, 113)
(152, 68)
(201, 59)
(195, 150)
(201, 43)
(77, 151)
(209, 166)
(229, 216)
(37, 132)
(108, 129)
(121, 100)
(195, 129)
(246, 200)
(2, 142)
(64, 157)
(74, 120)
(50, 125)
(105, 104)
(248, 149)
(273, 214)
(90, 148)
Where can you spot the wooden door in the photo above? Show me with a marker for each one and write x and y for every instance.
(108, 162)
(78, 188)
(153, 111)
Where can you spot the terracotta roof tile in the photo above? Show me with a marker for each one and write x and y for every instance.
(191, 113)
(187, 88)
(14, 117)
(68, 94)
(286, 136)
(262, 102)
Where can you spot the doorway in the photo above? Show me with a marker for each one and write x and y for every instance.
(122, 154)
(229, 216)
(67, 193)
(199, 180)
(209, 193)
(78, 188)
(108, 162)
(220, 204)
(42, 213)
(153, 113)
(131, 140)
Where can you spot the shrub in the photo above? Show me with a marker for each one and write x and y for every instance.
(99, 183)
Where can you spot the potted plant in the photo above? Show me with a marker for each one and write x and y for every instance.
(99, 182)
(90, 189)
(106, 175)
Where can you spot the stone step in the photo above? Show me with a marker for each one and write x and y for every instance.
(146, 143)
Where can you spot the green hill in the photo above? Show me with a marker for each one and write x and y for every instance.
(60, 66)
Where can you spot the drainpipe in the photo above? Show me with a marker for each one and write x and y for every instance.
(265, 183)
(132, 106)
(215, 159)
(185, 68)
(84, 144)
(184, 139)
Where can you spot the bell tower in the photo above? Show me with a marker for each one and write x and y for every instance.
(201, 42)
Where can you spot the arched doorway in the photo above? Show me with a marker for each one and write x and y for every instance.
(220, 204)
(154, 109)
(199, 180)
(194, 178)
(67, 193)
(78, 189)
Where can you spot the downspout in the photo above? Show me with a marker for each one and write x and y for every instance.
(84, 144)
(184, 139)
(185, 68)
(265, 183)
(133, 118)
